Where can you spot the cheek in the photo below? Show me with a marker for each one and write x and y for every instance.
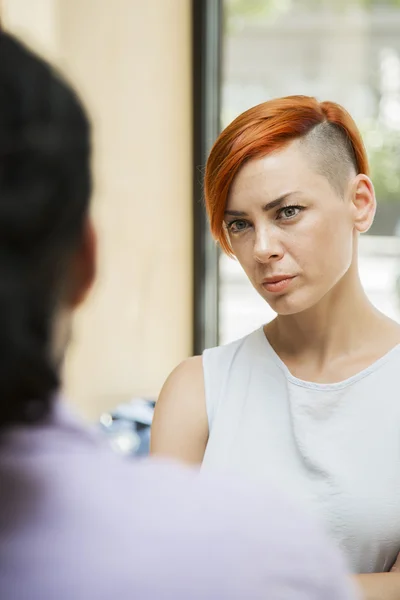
(338, 236)
(332, 248)
(243, 251)
(324, 245)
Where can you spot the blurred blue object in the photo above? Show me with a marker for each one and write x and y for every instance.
(127, 428)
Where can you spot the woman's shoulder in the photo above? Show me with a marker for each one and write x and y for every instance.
(180, 425)
(246, 344)
(225, 368)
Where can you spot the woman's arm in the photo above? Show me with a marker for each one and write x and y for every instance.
(379, 586)
(180, 424)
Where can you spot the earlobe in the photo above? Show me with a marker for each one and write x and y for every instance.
(364, 203)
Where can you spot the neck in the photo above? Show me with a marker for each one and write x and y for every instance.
(338, 324)
(61, 334)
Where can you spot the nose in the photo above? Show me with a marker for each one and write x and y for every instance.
(267, 246)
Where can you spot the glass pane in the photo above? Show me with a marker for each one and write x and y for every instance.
(341, 50)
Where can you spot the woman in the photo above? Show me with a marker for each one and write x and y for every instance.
(310, 399)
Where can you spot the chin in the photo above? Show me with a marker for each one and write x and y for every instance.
(285, 310)
(289, 304)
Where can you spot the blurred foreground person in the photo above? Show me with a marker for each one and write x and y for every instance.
(76, 521)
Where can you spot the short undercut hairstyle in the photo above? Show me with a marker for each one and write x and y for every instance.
(326, 131)
(331, 153)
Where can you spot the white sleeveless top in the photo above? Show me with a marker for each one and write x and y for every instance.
(335, 447)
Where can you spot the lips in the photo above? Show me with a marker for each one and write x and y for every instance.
(277, 284)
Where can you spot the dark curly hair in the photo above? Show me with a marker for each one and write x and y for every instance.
(45, 186)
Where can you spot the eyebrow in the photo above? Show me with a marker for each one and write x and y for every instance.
(269, 206)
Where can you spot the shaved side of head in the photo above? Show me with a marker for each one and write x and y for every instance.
(331, 153)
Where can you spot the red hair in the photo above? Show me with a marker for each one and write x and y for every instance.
(264, 129)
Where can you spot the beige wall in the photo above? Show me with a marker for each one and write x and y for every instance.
(132, 65)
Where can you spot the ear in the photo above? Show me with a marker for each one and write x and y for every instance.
(363, 203)
(82, 272)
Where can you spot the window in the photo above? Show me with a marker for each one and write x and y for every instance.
(347, 51)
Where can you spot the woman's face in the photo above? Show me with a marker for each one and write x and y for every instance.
(291, 231)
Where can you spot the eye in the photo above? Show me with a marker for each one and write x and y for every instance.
(289, 212)
(237, 226)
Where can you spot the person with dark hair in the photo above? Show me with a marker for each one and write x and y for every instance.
(76, 521)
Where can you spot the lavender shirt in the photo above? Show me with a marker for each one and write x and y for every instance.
(78, 523)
